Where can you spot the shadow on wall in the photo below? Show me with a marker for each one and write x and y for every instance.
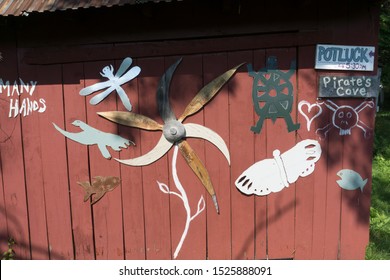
(5, 235)
(263, 223)
(354, 151)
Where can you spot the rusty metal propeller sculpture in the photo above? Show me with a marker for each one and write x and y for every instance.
(174, 131)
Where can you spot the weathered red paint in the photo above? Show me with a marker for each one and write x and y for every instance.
(42, 205)
(242, 155)
(219, 244)
(78, 167)
(13, 205)
(158, 244)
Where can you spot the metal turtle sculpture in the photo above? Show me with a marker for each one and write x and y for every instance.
(272, 94)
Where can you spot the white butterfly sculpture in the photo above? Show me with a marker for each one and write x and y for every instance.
(272, 175)
(114, 83)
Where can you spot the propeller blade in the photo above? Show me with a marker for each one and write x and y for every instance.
(207, 93)
(200, 131)
(157, 152)
(131, 119)
(198, 168)
(164, 106)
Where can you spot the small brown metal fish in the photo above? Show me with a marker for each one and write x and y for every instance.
(100, 186)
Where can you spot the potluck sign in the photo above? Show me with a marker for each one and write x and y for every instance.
(351, 58)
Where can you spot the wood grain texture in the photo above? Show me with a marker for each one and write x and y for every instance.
(305, 215)
(78, 162)
(14, 209)
(41, 203)
(186, 83)
(107, 213)
(242, 156)
(260, 151)
(216, 115)
(156, 204)
(131, 177)
(281, 206)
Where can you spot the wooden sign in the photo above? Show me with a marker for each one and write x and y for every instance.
(350, 58)
(349, 86)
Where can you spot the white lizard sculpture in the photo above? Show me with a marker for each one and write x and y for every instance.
(92, 136)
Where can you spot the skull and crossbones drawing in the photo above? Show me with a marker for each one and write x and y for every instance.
(345, 118)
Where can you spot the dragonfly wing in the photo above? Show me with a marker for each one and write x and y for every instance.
(200, 131)
(124, 98)
(157, 152)
(99, 97)
(95, 87)
(131, 74)
(124, 66)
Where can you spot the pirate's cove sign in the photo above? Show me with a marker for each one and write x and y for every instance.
(348, 86)
(339, 57)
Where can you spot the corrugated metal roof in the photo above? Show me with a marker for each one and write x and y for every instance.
(23, 7)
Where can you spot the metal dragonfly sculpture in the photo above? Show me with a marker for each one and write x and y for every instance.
(114, 83)
(174, 131)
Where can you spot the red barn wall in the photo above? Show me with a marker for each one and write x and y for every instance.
(41, 204)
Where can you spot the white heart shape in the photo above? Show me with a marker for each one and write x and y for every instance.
(310, 107)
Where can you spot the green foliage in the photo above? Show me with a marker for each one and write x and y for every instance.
(10, 253)
(384, 50)
(379, 247)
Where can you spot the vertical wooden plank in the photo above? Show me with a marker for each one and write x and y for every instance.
(14, 205)
(281, 205)
(334, 152)
(305, 214)
(107, 212)
(308, 88)
(78, 165)
(46, 168)
(46, 155)
(132, 192)
(156, 203)
(242, 156)
(320, 198)
(54, 164)
(355, 206)
(34, 182)
(332, 146)
(186, 82)
(219, 244)
(3, 216)
(261, 252)
(13, 180)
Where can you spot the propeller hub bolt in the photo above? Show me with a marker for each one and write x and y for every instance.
(174, 131)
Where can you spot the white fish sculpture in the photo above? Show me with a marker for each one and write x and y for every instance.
(274, 174)
(351, 180)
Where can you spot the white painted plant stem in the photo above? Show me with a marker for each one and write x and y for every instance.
(183, 197)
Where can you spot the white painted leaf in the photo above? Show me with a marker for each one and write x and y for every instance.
(164, 188)
(201, 205)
